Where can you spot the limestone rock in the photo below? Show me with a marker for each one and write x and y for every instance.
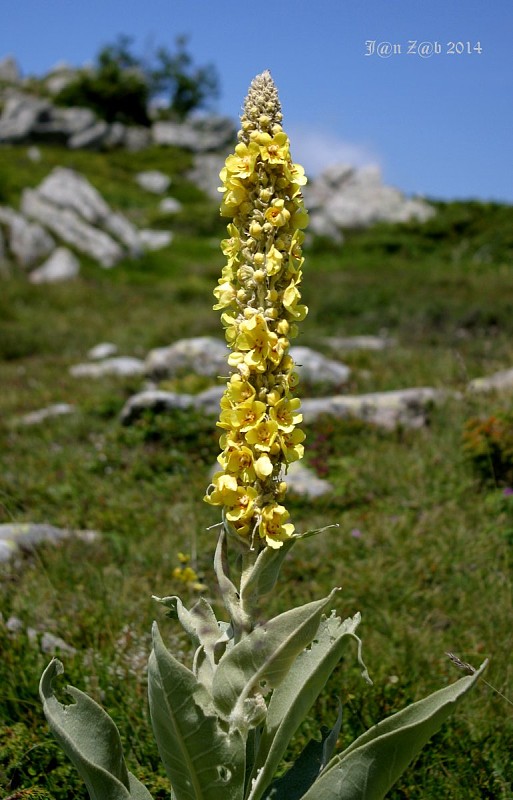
(205, 173)
(313, 367)
(102, 350)
(501, 381)
(56, 410)
(61, 266)
(19, 115)
(406, 407)
(68, 226)
(153, 181)
(304, 482)
(198, 135)
(28, 241)
(137, 138)
(15, 537)
(91, 138)
(34, 154)
(345, 344)
(120, 366)
(170, 205)
(153, 400)
(9, 70)
(347, 197)
(68, 205)
(155, 240)
(51, 644)
(203, 355)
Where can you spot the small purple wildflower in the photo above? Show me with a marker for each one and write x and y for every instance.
(356, 533)
(508, 491)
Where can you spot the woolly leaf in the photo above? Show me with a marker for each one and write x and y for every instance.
(91, 741)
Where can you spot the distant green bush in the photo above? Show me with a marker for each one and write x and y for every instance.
(121, 85)
(115, 89)
(488, 445)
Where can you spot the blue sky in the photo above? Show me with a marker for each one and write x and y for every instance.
(441, 126)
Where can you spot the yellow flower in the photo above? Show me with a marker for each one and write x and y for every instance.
(242, 506)
(255, 338)
(273, 261)
(277, 214)
(242, 164)
(274, 149)
(247, 414)
(284, 414)
(239, 460)
(291, 296)
(225, 294)
(224, 490)
(296, 174)
(273, 526)
(262, 435)
(291, 445)
(263, 467)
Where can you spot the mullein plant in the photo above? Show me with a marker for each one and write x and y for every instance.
(223, 726)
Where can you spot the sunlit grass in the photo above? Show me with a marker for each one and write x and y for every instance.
(423, 549)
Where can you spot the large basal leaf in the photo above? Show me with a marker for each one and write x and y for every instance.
(91, 740)
(264, 655)
(291, 701)
(372, 764)
(203, 762)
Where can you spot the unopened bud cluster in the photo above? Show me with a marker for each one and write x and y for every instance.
(259, 295)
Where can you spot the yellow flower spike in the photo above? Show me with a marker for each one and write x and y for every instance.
(259, 287)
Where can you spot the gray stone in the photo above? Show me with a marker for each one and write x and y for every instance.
(91, 138)
(347, 197)
(19, 115)
(202, 355)
(115, 135)
(170, 205)
(66, 188)
(153, 400)
(501, 381)
(199, 135)
(346, 344)
(60, 77)
(62, 265)
(120, 227)
(406, 407)
(102, 350)
(61, 123)
(313, 367)
(68, 226)
(304, 482)
(137, 138)
(153, 181)
(25, 536)
(34, 154)
(209, 400)
(51, 644)
(205, 173)
(14, 624)
(120, 366)
(28, 241)
(9, 70)
(56, 410)
(155, 240)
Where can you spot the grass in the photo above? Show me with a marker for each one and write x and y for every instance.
(424, 547)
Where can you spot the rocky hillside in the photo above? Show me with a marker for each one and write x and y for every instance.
(67, 211)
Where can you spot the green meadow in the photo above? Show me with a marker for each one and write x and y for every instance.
(424, 543)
